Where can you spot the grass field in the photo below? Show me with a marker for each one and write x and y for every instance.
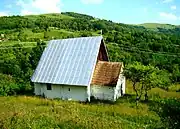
(50, 15)
(21, 112)
(29, 35)
(157, 25)
(52, 33)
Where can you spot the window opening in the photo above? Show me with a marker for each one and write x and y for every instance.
(49, 87)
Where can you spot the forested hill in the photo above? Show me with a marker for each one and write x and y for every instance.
(158, 45)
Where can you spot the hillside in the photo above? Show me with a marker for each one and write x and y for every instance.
(126, 43)
(53, 16)
(164, 28)
(158, 25)
(22, 41)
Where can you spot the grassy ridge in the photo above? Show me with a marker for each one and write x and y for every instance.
(50, 15)
(53, 32)
(157, 25)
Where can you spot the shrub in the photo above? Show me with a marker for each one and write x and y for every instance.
(8, 86)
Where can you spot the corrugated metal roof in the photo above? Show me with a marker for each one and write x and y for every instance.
(68, 61)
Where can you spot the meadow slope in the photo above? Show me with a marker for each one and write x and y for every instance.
(37, 113)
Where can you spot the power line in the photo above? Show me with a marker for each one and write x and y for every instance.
(151, 52)
(19, 47)
(123, 48)
(130, 48)
(146, 51)
(18, 44)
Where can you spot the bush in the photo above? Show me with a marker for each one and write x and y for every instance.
(169, 112)
(9, 86)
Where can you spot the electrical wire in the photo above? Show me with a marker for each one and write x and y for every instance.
(19, 47)
(121, 47)
(157, 53)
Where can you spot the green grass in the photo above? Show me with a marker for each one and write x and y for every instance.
(171, 93)
(59, 33)
(157, 25)
(57, 15)
(175, 88)
(51, 15)
(33, 112)
(53, 32)
(29, 34)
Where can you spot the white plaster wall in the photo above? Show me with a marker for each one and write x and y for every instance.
(117, 92)
(102, 92)
(77, 93)
(121, 81)
(37, 89)
(89, 92)
(124, 85)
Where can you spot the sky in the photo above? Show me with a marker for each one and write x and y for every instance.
(121, 11)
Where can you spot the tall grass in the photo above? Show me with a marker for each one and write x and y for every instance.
(23, 112)
(31, 112)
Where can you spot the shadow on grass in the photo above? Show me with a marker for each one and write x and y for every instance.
(127, 98)
(98, 101)
(168, 110)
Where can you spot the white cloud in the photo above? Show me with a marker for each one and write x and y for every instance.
(167, 1)
(168, 16)
(3, 14)
(26, 12)
(39, 6)
(92, 1)
(173, 7)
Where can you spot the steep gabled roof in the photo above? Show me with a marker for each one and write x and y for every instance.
(106, 73)
(68, 61)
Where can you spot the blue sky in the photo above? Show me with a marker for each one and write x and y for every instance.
(124, 11)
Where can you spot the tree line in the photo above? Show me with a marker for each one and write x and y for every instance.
(125, 43)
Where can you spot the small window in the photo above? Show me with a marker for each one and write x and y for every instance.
(69, 89)
(49, 87)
